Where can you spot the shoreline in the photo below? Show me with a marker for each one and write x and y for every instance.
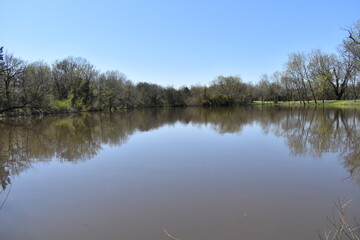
(327, 103)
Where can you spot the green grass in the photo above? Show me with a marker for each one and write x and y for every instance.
(343, 103)
(329, 103)
(62, 105)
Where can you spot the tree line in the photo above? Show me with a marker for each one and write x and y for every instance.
(316, 75)
(74, 84)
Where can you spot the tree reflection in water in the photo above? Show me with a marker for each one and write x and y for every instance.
(308, 131)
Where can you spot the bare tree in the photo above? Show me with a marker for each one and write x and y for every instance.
(298, 67)
(288, 86)
(352, 42)
(1, 61)
(9, 86)
(36, 84)
(336, 70)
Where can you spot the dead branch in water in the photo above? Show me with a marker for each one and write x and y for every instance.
(6, 197)
(341, 228)
(170, 236)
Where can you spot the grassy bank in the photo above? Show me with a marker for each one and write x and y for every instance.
(60, 108)
(326, 103)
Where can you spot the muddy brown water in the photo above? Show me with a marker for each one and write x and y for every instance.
(201, 174)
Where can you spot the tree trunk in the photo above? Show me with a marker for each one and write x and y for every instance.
(7, 94)
(355, 93)
(312, 92)
(340, 94)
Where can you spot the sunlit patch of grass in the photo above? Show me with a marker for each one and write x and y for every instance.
(62, 105)
(330, 103)
(344, 102)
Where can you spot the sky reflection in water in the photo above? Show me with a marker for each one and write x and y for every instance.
(230, 173)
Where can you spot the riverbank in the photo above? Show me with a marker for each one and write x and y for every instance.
(326, 103)
(69, 110)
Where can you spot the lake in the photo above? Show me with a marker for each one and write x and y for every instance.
(215, 174)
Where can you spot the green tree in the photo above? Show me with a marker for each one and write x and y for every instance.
(336, 70)
(152, 95)
(262, 88)
(323, 87)
(111, 88)
(131, 96)
(74, 79)
(228, 90)
(173, 97)
(287, 86)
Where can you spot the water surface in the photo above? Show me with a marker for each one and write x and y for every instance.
(226, 173)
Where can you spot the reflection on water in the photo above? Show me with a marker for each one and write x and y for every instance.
(226, 173)
(308, 131)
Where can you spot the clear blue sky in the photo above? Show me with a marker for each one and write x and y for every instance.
(175, 42)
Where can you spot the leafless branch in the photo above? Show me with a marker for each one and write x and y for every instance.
(170, 236)
(352, 37)
(341, 228)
